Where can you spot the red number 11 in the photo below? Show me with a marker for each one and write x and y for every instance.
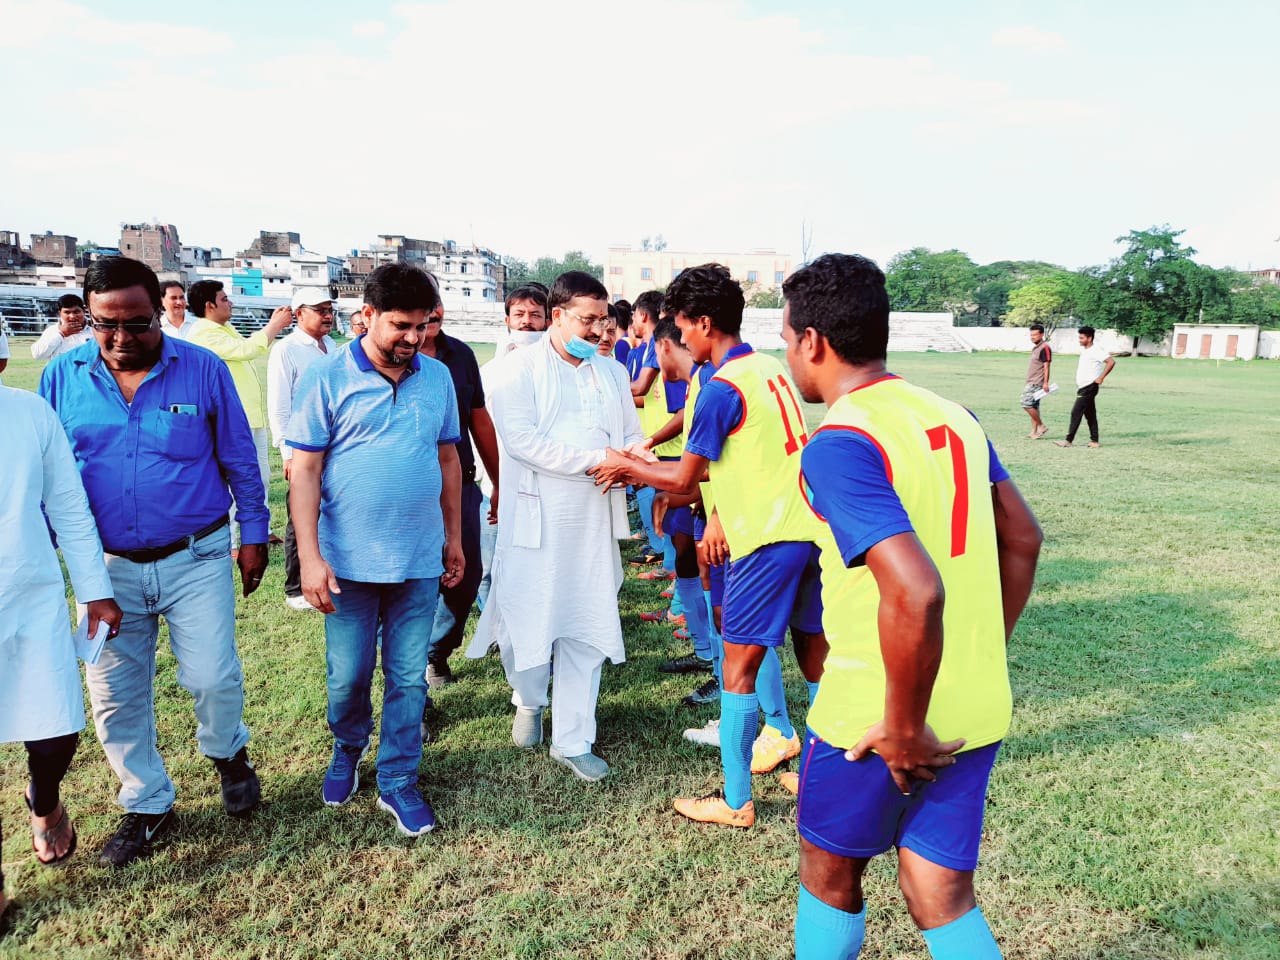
(776, 386)
(944, 436)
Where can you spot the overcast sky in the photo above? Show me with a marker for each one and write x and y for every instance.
(1009, 130)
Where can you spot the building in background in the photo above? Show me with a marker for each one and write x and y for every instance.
(629, 272)
(467, 275)
(155, 244)
(53, 249)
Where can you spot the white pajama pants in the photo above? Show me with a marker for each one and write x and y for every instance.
(575, 690)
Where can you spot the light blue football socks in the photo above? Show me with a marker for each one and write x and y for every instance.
(738, 725)
(689, 593)
(773, 699)
(964, 938)
(826, 933)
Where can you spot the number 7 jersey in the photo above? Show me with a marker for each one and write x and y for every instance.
(939, 469)
(756, 477)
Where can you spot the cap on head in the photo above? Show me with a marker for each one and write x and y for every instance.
(311, 297)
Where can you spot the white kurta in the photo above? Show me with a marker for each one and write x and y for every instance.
(40, 689)
(556, 568)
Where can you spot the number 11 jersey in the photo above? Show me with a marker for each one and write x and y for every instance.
(748, 422)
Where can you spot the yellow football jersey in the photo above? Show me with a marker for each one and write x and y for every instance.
(937, 459)
(757, 477)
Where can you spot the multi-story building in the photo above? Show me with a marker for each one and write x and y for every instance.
(155, 244)
(467, 275)
(629, 273)
(1269, 275)
(12, 256)
(53, 248)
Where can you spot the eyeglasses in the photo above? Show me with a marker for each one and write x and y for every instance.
(322, 311)
(597, 323)
(136, 327)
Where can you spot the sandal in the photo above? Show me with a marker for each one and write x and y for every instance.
(50, 836)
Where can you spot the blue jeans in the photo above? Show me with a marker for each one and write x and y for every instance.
(488, 544)
(194, 591)
(455, 602)
(405, 611)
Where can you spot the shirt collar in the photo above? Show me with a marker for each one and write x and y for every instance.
(168, 353)
(303, 337)
(366, 365)
(733, 353)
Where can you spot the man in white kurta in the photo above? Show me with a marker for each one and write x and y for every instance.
(557, 406)
(43, 703)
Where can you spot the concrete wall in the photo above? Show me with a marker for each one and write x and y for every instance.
(1064, 340)
(1269, 345)
(1190, 337)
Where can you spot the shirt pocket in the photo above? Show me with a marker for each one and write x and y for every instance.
(181, 437)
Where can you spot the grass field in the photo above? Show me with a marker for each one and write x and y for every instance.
(1133, 812)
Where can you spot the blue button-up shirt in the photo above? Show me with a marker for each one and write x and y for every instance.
(157, 469)
(380, 519)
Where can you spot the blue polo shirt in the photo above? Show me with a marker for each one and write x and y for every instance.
(157, 469)
(380, 519)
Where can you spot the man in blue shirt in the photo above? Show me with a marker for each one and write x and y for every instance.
(158, 433)
(375, 498)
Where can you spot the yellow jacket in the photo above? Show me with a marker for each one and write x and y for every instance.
(241, 355)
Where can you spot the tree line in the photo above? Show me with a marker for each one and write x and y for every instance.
(1154, 283)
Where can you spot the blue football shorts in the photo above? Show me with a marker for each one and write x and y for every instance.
(773, 588)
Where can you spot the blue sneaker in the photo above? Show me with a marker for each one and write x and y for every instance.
(413, 814)
(343, 777)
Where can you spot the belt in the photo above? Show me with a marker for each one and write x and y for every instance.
(469, 474)
(152, 554)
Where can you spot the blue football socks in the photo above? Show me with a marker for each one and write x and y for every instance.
(825, 933)
(738, 724)
(966, 937)
(689, 593)
(644, 500)
(717, 643)
(773, 699)
(813, 691)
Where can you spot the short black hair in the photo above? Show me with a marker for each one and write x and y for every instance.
(622, 302)
(166, 284)
(530, 291)
(650, 304)
(120, 273)
(400, 286)
(69, 301)
(708, 290)
(843, 297)
(575, 283)
(1087, 331)
(624, 314)
(1037, 326)
(666, 329)
(201, 294)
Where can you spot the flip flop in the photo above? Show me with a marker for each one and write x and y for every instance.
(50, 836)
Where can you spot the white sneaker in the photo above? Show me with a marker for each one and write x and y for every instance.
(298, 603)
(708, 736)
(526, 729)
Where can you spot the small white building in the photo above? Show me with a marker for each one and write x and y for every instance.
(1215, 341)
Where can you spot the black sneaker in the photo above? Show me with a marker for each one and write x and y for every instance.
(241, 790)
(439, 675)
(645, 558)
(707, 692)
(135, 837)
(689, 663)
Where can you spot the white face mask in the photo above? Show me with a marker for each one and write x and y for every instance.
(524, 338)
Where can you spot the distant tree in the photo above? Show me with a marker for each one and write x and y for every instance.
(1253, 302)
(546, 269)
(1051, 299)
(765, 298)
(517, 272)
(919, 279)
(1160, 285)
(992, 285)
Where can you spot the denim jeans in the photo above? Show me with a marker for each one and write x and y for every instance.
(455, 602)
(194, 591)
(488, 544)
(405, 611)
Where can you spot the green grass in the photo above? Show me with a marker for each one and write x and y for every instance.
(1133, 812)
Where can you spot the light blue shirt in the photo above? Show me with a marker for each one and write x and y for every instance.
(380, 519)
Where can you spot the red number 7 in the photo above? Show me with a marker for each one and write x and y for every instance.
(944, 436)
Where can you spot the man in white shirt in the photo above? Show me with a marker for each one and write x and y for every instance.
(1095, 363)
(289, 358)
(67, 334)
(175, 322)
(557, 406)
(4, 346)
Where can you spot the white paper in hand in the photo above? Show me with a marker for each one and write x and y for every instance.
(89, 650)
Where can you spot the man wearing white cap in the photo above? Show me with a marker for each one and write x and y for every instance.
(309, 342)
(214, 331)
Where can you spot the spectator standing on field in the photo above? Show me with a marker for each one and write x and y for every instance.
(65, 335)
(1037, 380)
(1095, 363)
